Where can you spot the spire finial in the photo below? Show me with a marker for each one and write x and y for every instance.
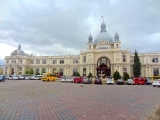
(19, 46)
(102, 18)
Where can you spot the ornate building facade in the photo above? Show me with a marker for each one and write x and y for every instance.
(103, 56)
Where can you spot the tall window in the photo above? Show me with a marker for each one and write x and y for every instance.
(37, 70)
(61, 71)
(74, 70)
(43, 61)
(31, 62)
(84, 71)
(124, 58)
(156, 72)
(20, 68)
(54, 61)
(37, 61)
(155, 60)
(124, 70)
(13, 61)
(54, 70)
(20, 61)
(43, 70)
(61, 61)
(84, 59)
(6, 69)
(75, 61)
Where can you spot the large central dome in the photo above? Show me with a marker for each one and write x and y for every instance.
(103, 35)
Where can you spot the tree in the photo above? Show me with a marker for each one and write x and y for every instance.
(31, 72)
(37, 73)
(136, 65)
(116, 75)
(125, 76)
(76, 74)
(89, 75)
(27, 72)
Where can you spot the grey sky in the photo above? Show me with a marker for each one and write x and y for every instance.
(53, 27)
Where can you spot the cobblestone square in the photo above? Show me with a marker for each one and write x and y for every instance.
(37, 100)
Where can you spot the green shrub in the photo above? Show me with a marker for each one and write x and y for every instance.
(116, 75)
(125, 76)
(89, 75)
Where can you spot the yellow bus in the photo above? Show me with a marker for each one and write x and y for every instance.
(49, 77)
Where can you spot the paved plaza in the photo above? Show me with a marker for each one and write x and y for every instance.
(37, 100)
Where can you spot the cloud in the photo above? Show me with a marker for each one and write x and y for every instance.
(49, 27)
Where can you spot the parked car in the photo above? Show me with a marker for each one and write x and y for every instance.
(64, 78)
(70, 79)
(32, 77)
(139, 81)
(21, 77)
(87, 80)
(110, 81)
(14, 77)
(9, 77)
(2, 78)
(36, 78)
(78, 79)
(156, 83)
(97, 80)
(27, 78)
(119, 82)
(129, 82)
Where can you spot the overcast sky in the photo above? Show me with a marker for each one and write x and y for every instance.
(62, 27)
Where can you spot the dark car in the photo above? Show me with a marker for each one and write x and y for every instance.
(148, 81)
(120, 82)
(87, 80)
(2, 78)
(97, 80)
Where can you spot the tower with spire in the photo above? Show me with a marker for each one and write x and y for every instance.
(90, 42)
(117, 42)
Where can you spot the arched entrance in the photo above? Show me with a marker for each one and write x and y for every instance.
(104, 67)
(12, 72)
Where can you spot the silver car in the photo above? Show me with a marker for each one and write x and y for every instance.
(156, 83)
(129, 82)
(14, 77)
(110, 81)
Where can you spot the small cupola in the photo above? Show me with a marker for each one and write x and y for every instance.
(90, 38)
(116, 37)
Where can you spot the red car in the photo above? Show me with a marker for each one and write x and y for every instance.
(78, 79)
(139, 81)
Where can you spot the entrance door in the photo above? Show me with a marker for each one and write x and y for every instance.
(104, 66)
(12, 72)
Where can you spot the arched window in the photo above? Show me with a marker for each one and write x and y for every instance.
(105, 61)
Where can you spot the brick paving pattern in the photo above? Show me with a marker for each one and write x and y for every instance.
(37, 100)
